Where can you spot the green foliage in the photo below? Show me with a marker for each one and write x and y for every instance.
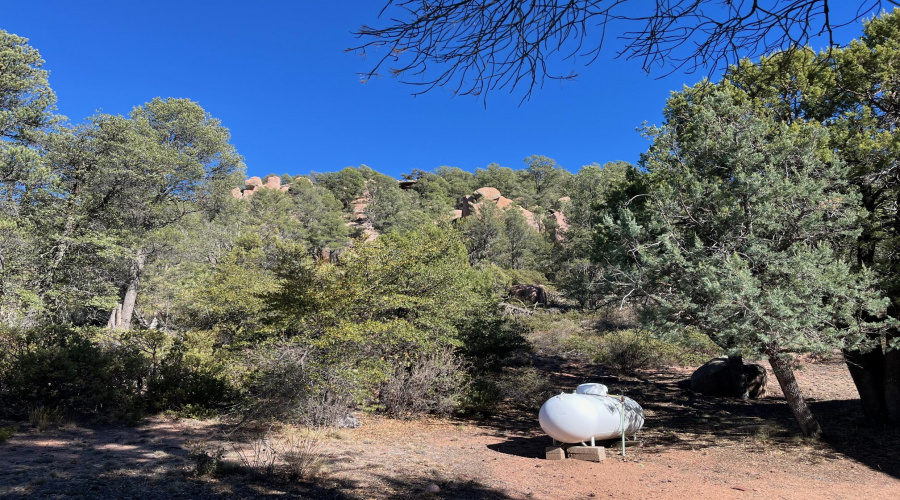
(738, 233)
(228, 300)
(503, 179)
(628, 351)
(61, 368)
(503, 238)
(27, 106)
(7, 432)
(523, 388)
(377, 318)
(346, 185)
(319, 212)
(44, 418)
(89, 372)
(192, 376)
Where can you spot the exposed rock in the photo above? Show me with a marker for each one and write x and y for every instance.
(532, 294)
(488, 193)
(562, 225)
(457, 214)
(564, 199)
(530, 218)
(349, 422)
(503, 202)
(254, 184)
(370, 234)
(359, 211)
(714, 379)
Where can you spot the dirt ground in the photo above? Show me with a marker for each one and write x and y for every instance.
(694, 447)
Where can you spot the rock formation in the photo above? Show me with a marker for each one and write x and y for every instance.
(254, 184)
(469, 205)
(531, 294)
(714, 379)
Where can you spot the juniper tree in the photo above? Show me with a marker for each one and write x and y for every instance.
(27, 106)
(739, 235)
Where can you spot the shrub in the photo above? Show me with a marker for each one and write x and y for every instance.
(7, 432)
(523, 388)
(302, 455)
(190, 377)
(206, 462)
(627, 351)
(291, 455)
(428, 384)
(526, 388)
(291, 383)
(62, 368)
(43, 418)
(110, 373)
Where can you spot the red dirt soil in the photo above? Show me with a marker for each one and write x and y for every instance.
(694, 447)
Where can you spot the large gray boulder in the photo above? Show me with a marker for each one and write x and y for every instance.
(714, 379)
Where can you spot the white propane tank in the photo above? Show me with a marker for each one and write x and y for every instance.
(589, 413)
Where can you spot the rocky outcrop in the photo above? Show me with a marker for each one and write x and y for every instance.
(253, 184)
(469, 205)
(531, 294)
(714, 379)
(487, 193)
(562, 225)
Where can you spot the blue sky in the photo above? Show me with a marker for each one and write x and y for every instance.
(277, 75)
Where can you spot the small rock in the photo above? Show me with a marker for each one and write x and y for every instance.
(433, 488)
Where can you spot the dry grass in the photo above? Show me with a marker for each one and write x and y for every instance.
(43, 418)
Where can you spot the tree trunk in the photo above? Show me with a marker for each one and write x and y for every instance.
(785, 375)
(737, 377)
(892, 385)
(134, 281)
(867, 370)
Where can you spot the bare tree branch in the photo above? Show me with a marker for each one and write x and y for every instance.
(473, 47)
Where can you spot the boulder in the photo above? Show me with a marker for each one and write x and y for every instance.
(273, 182)
(533, 294)
(562, 225)
(503, 203)
(530, 218)
(488, 192)
(253, 181)
(236, 193)
(714, 379)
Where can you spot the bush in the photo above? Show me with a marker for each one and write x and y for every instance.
(190, 378)
(627, 351)
(429, 384)
(291, 383)
(7, 432)
(63, 369)
(107, 373)
(523, 388)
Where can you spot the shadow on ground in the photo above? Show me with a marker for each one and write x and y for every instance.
(682, 420)
(148, 462)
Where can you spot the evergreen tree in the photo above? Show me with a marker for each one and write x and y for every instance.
(739, 235)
